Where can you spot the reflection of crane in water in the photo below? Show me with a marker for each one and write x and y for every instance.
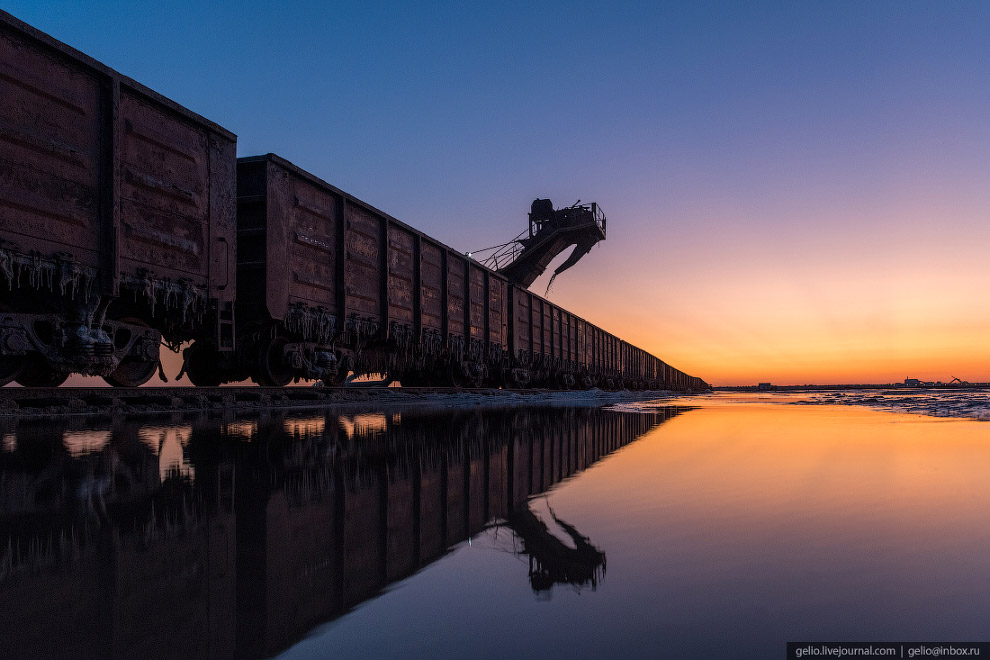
(551, 561)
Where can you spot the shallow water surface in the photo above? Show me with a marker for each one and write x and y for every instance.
(701, 528)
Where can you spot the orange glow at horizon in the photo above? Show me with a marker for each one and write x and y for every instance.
(751, 295)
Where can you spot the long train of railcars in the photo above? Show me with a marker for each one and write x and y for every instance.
(126, 222)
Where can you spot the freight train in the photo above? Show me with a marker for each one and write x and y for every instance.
(128, 223)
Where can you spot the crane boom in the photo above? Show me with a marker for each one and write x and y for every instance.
(550, 233)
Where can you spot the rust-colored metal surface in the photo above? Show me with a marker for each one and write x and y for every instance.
(498, 311)
(305, 217)
(52, 113)
(456, 299)
(478, 304)
(363, 267)
(431, 292)
(401, 292)
(98, 167)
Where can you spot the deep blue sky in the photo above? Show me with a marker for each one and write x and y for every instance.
(748, 153)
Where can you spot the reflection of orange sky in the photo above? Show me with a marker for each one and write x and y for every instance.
(168, 443)
(366, 423)
(306, 426)
(80, 443)
(817, 477)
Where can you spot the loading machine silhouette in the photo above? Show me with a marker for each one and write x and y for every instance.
(523, 259)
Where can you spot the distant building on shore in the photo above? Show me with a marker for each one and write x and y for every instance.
(912, 382)
(765, 387)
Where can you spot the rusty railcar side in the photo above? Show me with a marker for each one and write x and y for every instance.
(550, 346)
(116, 216)
(457, 306)
(329, 285)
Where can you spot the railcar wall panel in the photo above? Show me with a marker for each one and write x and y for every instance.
(431, 285)
(164, 192)
(547, 324)
(309, 227)
(497, 311)
(94, 165)
(401, 246)
(276, 231)
(571, 339)
(50, 152)
(537, 321)
(456, 283)
(596, 348)
(363, 266)
(521, 319)
(582, 343)
(601, 349)
(478, 302)
(603, 341)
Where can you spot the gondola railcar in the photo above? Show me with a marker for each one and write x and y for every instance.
(328, 285)
(116, 218)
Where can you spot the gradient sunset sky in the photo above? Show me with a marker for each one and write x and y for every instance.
(797, 191)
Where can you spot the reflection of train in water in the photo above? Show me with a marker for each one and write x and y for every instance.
(126, 221)
(241, 548)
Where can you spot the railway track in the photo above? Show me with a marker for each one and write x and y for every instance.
(47, 401)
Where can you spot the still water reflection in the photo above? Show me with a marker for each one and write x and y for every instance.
(209, 537)
(653, 531)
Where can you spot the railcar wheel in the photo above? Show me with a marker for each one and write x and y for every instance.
(11, 367)
(38, 372)
(456, 377)
(271, 370)
(132, 372)
(201, 366)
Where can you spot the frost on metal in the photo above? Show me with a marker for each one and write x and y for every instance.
(361, 330)
(317, 325)
(170, 294)
(432, 342)
(476, 350)
(402, 335)
(46, 273)
(455, 346)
